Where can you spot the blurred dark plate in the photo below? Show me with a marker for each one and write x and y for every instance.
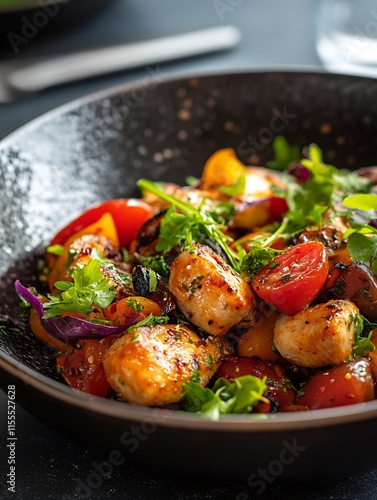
(96, 148)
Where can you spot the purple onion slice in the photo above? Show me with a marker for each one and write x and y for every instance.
(67, 328)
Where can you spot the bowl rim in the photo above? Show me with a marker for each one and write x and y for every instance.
(184, 420)
(183, 76)
(167, 418)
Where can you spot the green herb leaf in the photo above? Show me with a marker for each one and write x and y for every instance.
(88, 289)
(363, 202)
(156, 263)
(150, 321)
(55, 249)
(183, 222)
(284, 154)
(255, 260)
(362, 344)
(237, 188)
(364, 249)
(308, 201)
(225, 397)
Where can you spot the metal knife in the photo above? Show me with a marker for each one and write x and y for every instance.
(20, 78)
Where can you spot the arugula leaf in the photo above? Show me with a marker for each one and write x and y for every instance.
(285, 154)
(188, 224)
(88, 289)
(225, 397)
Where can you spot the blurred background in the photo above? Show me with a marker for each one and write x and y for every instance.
(274, 34)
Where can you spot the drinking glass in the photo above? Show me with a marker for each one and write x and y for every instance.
(347, 36)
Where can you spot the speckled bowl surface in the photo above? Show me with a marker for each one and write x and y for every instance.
(96, 148)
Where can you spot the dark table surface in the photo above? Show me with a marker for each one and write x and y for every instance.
(275, 34)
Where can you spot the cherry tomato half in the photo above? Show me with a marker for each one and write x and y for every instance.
(128, 214)
(294, 278)
(83, 369)
(345, 384)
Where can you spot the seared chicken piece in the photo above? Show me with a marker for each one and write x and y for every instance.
(82, 248)
(149, 365)
(318, 336)
(208, 292)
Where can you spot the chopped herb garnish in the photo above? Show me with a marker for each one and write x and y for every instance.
(88, 289)
(150, 321)
(155, 262)
(134, 304)
(257, 258)
(183, 221)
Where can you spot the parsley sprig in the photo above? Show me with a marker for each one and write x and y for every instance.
(88, 289)
(185, 223)
(256, 259)
(224, 397)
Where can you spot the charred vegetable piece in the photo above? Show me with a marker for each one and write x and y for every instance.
(148, 235)
(148, 283)
(83, 369)
(354, 282)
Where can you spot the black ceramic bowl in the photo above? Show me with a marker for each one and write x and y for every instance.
(96, 148)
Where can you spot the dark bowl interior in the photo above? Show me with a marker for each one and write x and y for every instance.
(96, 148)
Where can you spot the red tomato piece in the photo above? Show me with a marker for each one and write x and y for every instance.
(294, 278)
(278, 384)
(128, 214)
(83, 369)
(346, 384)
